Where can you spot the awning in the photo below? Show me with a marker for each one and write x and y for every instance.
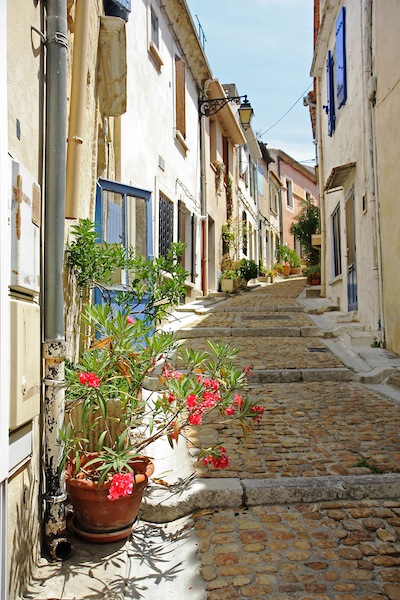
(338, 176)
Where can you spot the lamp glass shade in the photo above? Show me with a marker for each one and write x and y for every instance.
(245, 113)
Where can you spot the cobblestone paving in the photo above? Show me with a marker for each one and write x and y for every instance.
(277, 352)
(311, 430)
(339, 550)
(330, 550)
(256, 321)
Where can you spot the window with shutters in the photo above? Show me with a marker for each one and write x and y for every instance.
(154, 39)
(180, 96)
(336, 74)
(337, 255)
(165, 225)
(340, 53)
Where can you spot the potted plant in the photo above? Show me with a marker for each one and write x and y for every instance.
(313, 274)
(284, 252)
(248, 270)
(295, 262)
(271, 275)
(110, 424)
(229, 281)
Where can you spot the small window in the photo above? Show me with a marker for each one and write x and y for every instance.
(260, 181)
(273, 199)
(155, 29)
(289, 193)
(180, 96)
(165, 225)
(337, 255)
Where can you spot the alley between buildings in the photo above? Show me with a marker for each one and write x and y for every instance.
(309, 505)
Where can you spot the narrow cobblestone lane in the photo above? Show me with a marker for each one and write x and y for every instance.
(309, 506)
(343, 549)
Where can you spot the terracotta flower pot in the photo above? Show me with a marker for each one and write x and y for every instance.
(95, 512)
(286, 269)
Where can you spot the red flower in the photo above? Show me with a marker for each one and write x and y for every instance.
(130, 319)
(195, 419)
(191, 401)
(121, 485)
(230, 411)
(89, 379)
(218, 462)
(171, 397)
(209, 400)
(257, 413)
(248, 370)
(238, 401)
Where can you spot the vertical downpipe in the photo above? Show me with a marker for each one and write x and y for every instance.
(53, 257)
(204, 285)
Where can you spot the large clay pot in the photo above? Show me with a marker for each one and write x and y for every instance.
(96, 513)
(286, 270)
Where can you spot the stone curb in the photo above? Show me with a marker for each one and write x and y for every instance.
(295, 375)
(201, 332)
(165, 505)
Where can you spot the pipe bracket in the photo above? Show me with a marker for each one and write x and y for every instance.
(51, 499)
(58, 38)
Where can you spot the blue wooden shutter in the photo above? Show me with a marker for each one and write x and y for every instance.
(331, 94)
(341, 84)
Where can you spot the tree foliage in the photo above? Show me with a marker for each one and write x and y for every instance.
(304, 225)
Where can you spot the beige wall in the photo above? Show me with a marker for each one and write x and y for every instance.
(387, 58)
(25, 84)
(25, 96)
(24, 532)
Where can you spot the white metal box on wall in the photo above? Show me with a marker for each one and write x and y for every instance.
(25, 362)
(25, 231)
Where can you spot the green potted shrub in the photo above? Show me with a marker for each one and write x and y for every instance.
(248, 270)
(229, 281)
(284, 252)
(295, 262)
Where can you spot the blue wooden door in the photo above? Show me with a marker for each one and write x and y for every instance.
(352, 299)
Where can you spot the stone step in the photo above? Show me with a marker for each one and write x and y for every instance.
(236, 332)
(356, 338)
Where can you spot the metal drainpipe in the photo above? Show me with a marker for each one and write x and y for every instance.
(371, 163)
(77, 107)
(53, 297)
(321, 180)
(203, 212)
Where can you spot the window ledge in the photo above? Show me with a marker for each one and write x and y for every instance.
(155, 55)
(182, 142)
(337, 279)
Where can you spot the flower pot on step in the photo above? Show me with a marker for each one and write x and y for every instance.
(96, 513)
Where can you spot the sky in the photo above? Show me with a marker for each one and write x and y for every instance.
(265, 47)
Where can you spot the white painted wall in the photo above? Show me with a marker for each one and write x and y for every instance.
(349, 144)
(148, 127)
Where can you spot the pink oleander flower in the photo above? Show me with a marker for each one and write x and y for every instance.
(171, 398)
(89, 379)
(121, 485)
(130, 319)
(195, 419)
(170, 374)
(209, 400)
(218, 462)
(257, 413)
(191, 401)
(238, 401)
(229, 411)
(211, 384)
(248, 370)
